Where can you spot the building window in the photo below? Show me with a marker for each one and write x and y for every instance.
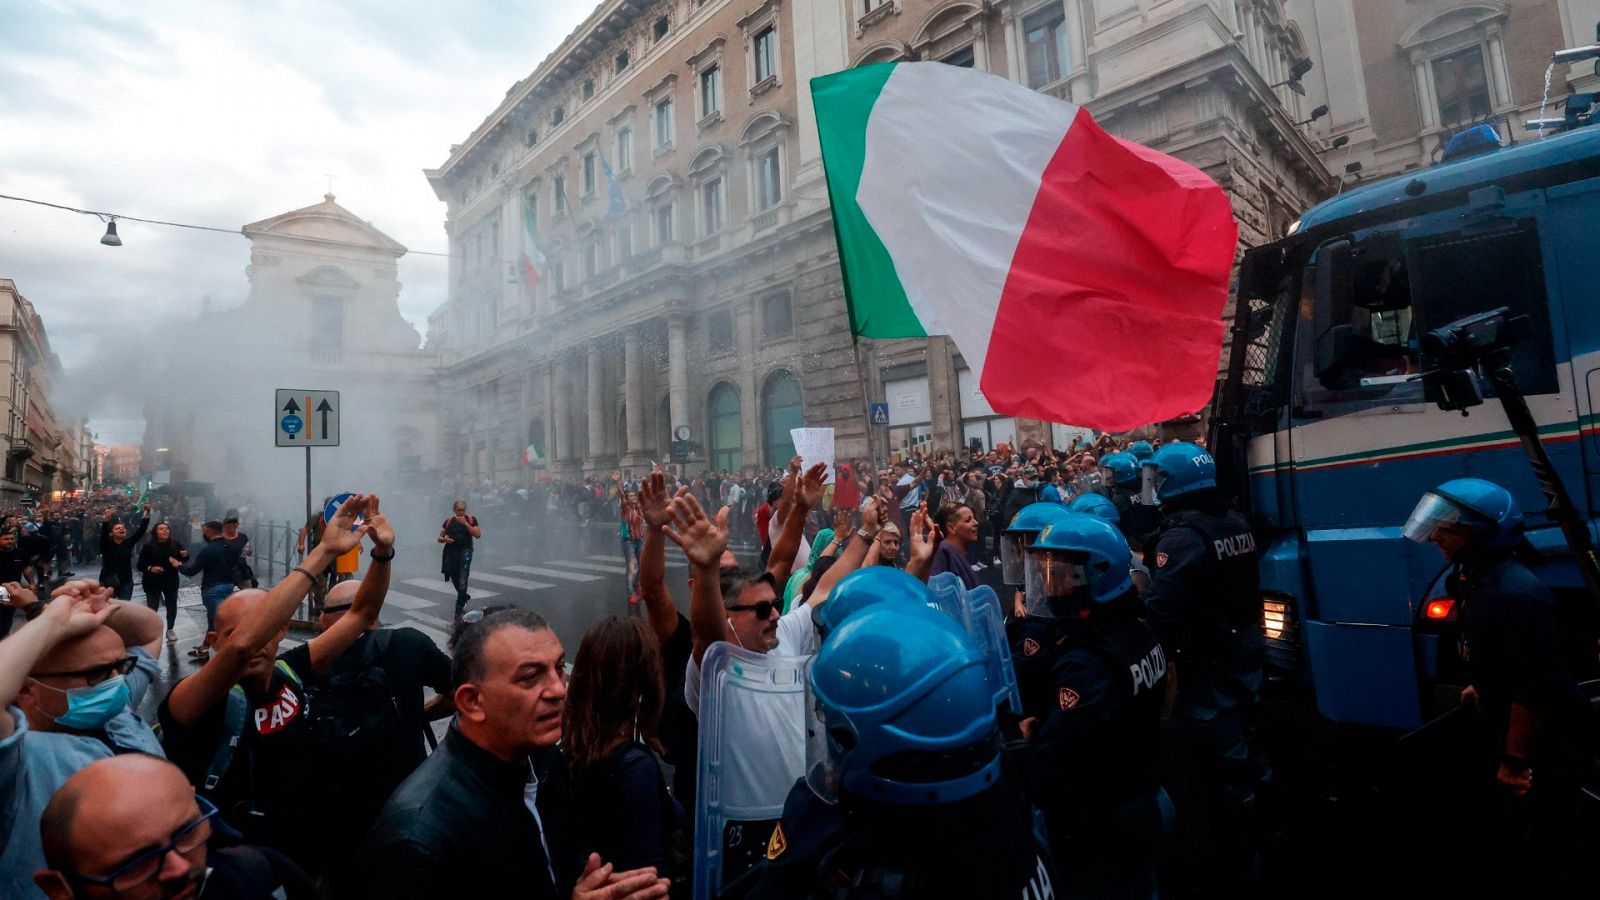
(1462, 86)
(621, 61)
(781, 410)
(558, 187)
(663, 218)
(558, 277)
(624, 149)
(962, 58)
(727, 451)
(589, 173)
(532, 137)
(664, 123)
(591, 259)
(558, 115)
(494, 241)
(710, 91)
(769, 186)
(327, 326)
(777, 320)
(1044, 38)
(766, 54)
(711, 207)
(588, 89)
(661, 28)
(622, 242)
(874, 4)
(719, 332)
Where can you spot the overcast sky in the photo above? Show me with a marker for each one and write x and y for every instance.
(223, 114)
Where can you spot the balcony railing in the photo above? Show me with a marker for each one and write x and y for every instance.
(764, 221)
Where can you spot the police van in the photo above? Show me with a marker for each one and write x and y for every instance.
(1326, 431)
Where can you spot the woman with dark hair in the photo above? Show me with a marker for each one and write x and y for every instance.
(958, 530)
(609, 733)
(160, 577)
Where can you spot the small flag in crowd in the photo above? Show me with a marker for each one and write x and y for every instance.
(1082, 276)
(531, 455)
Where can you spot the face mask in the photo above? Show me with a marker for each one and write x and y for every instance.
(91, 707)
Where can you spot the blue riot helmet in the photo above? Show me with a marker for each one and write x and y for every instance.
(864, 588)
(1141, 451)
(903, 711)
(1095, 505)
(1121, 466)
(1080, 560)
(1484, 509)
(1183, 468)
(1029, 521)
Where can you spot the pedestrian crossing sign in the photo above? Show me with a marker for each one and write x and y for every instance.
(878, 413)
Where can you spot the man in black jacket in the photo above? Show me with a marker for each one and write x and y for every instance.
(491, 813)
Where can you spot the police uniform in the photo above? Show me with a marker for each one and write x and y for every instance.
(1033, 653)
(1094, 764)
(1138, 521)
(982, 846)
(1510, 644)
(1205, 608)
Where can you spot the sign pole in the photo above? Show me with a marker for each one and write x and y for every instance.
(308, 499)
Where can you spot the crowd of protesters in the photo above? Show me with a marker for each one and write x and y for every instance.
(306, 771)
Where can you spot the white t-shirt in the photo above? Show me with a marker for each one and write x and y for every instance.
(797, 636)
(802, 554)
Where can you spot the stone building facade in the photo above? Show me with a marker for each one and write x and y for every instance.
(1399, 79)
(664, 162)
(322, 313)
(43, 451)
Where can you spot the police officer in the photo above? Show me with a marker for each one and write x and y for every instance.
(1138, 521)
(1092, 763)
(1543, 729)
(1204, 606)
(1097, 505)
(1029, 635)
(1141, 451)
(905, 795)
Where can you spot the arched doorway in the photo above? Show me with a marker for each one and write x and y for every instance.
(726, 446)
(781, 410)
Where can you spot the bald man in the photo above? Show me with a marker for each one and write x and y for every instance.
(134, 821)
(70, 681)
(266, 785)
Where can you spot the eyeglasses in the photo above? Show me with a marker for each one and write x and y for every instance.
(95, 674)
(147, 865)
(762, 608)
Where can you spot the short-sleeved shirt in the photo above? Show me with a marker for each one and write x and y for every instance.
(34, 764)
(267, 791)
(412, 661)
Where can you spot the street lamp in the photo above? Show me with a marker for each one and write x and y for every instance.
(1316, 114)
(110, 238)
(1297, 71)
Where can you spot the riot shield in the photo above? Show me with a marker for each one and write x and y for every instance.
(1011, 552)
(979, 612)
(752, 751)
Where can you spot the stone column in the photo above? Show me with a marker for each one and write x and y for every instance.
(506, 269)
(980, 44)
(1008, 26)
(678, 375)
(560, 398)
(633, 398)
(744, 333)
(597, 405)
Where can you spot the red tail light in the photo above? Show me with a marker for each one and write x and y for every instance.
(1439, 609)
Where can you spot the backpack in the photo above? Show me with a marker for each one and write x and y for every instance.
(354, 715)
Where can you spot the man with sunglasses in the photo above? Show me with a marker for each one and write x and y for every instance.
(131, 826)
(70, 680)
(253, 752)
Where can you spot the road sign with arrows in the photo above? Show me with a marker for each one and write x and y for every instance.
(306, 418)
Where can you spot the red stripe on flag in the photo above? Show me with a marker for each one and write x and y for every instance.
(1111, 316)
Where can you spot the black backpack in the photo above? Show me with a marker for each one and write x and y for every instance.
(354, 715)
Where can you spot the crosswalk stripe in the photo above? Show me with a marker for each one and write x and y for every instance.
(406, 601)
(593, 567)
(552, 573)
(673, 561)
(445, 588)
(511, 582)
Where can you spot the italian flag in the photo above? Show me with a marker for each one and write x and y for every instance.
(532, 256)
(1081, 275)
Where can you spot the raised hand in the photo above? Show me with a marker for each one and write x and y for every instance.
(841, 524)
(75, 616)
(924, 537)
(811, 485)
(19, 595)
(702, 538)
(655, 504)
(342, 534)
(378, 527)
(873, 515)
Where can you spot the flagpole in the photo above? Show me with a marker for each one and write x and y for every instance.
(866, 400)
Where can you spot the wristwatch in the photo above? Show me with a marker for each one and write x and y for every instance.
(383, 559)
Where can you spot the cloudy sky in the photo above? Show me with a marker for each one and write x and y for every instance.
(222, 114)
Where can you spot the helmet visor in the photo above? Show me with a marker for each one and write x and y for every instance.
(1053, 576)
(1012, 551)
(1431, 512)
(823, 749)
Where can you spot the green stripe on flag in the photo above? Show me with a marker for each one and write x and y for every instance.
(873, 293)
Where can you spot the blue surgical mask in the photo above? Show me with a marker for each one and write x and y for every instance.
(91, 707)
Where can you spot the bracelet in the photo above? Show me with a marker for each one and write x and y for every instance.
(862, 533)
(383, 559)
(304, 571)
